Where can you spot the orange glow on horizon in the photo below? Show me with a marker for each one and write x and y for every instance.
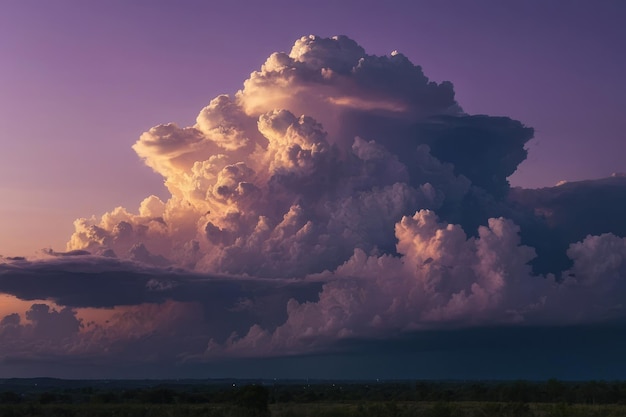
(10, 304)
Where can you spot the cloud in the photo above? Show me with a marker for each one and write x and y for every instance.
(552, 218)
(337, 196)
(441, 277)
(46, 331)
(323, 150)
(138, 306)
(445, 279)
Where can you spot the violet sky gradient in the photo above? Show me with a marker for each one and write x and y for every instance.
(286, 248)
(80, 81)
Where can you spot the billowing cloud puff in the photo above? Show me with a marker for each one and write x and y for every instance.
(443, 278)
(322, 151)
(553, 218)
(326, 77)
(337, 195)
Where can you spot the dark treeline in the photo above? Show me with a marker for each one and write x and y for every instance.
(255, 393)
(551, 391)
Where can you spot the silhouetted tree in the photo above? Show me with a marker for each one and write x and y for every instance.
(10, 397)
(255, 399)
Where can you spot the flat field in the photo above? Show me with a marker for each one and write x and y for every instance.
(46, 397)
(368, 409)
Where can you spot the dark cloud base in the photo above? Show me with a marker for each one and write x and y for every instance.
(554, 217)
(592, 352)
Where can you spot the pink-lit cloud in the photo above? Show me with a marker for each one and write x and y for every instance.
(337, 195)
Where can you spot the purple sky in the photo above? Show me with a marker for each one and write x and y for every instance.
(381, 222)
(80, 81)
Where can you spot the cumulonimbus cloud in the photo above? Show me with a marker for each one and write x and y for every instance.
(337, 195)
(321, 152)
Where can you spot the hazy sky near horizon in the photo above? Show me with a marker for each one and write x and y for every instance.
(79, 82)
(217, 184)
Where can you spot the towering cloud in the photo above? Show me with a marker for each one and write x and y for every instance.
(321, 152)
(337, 195)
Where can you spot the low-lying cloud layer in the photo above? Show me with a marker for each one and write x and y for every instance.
(336, 196)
